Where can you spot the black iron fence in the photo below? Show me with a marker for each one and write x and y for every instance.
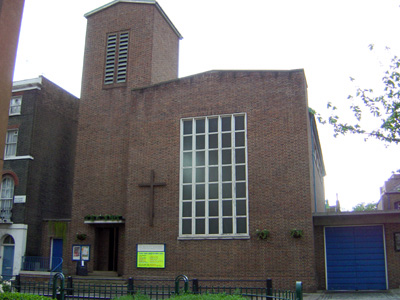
(157, 289)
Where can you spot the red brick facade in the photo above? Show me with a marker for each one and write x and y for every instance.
(124, 134)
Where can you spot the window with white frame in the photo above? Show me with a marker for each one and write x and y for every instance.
(116, 58)
(7, 196)
(213, 178)
(15, 106)
(11, 143)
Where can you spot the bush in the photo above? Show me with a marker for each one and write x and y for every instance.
(188, 297)
(20, 296)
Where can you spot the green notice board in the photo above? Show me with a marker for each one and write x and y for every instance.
(150, 256)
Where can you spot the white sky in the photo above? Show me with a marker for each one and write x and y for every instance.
(328, 39)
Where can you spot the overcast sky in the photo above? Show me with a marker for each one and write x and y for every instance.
(328, 39)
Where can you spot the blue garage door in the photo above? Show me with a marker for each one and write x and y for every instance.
(355, 258)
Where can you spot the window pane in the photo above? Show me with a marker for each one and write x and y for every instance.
(213, 191)
(240, 156)
(187, 192)
(213, 125)
(213, 157)
(226, 124)
(240, 207)
(240, 173)
(227, 225)
(227, 190)
(213, 226)
(200, 126)
(213, 141)
(200, 158)
(187, 175)
(226, 140)
(200, 226)
(227, 173)
(200, 209)
(200, 175)
(239, 122)
(240, 190)
(200, 142)
(213, 174)
(241, 226)
(187, 226)
(187, 159)
(227, 208)
(239, 139)
(187, 143)
(187, 209)
(213, 208)
(200, 191)
(187, 127)
(226, 157)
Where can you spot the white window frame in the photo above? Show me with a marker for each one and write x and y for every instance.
(6, 197)
(237, 186)
(11, 143)
(15, 106)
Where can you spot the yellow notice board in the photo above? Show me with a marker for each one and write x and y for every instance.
(150, 256)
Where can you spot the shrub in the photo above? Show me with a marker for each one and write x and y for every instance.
(188, 296)
(20, 296)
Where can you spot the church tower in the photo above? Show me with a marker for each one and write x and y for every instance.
(129, 44)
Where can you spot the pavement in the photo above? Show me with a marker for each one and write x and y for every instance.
(364, 295)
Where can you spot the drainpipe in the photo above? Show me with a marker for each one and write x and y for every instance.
(313, 166)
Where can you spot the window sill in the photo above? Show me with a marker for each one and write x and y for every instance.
(212, 237)
(18, 157)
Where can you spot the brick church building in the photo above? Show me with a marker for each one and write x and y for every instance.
(176, 175)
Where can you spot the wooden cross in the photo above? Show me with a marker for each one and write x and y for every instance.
(151, 185)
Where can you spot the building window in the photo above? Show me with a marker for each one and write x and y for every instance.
(7, 197)
(213, 178)
(11, 143)
(15, 106)
(116, 58)
(397, 205)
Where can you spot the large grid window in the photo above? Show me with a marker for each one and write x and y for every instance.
(213, 181)
(116, 58)
(6, 197)
(11, 143)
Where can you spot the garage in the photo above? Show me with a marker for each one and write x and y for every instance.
(355, 258)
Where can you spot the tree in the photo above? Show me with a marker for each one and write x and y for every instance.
(384, 107)
(365, 207)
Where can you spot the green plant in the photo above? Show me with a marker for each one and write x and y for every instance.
(81, 236)
(21, 296)
(296, 233)
(262, 234)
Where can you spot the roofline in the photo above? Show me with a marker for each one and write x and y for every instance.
(139, 2)
(215, 71)
(27, 84)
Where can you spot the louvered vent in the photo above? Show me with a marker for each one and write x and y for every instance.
(122, 57)
(110, 59)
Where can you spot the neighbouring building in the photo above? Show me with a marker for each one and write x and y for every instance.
(390, 194)
(36, 190)
(189, 168)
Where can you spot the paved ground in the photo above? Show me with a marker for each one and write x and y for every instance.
(384, 295)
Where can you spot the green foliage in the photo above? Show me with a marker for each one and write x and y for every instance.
(365, 207)
(262, 234)
(188, 296)
(20, 296)
(384, 107)
(58, 229)
(296, 233)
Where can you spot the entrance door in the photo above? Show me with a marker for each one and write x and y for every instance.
(8, 257)
(56, 255)
(106, 249)
(355, 258)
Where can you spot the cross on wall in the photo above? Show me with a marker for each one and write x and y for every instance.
(152, 185)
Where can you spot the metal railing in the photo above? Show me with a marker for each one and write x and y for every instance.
(156, 289)
(41, 264)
